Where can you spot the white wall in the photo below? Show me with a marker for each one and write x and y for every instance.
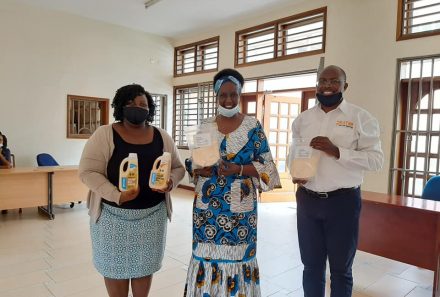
(45, 55)
(361, 38)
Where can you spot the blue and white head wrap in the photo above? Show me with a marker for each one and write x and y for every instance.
(223, 79)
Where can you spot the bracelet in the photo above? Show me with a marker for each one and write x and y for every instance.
(241, 170)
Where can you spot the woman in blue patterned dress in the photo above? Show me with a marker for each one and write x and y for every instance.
(224, 261)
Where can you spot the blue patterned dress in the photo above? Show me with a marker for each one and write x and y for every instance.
(225, 218)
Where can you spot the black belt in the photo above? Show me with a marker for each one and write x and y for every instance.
(325, 195)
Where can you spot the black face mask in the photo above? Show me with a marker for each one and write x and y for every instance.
(135, 115)
(329, 101)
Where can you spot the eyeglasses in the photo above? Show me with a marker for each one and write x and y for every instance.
(224, 96)
(332, 82)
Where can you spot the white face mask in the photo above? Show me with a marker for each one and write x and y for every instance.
(228, 112)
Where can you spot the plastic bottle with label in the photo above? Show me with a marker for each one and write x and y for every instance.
(160, 173)
(128, 178)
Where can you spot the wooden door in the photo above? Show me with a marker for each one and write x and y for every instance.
(279, 113)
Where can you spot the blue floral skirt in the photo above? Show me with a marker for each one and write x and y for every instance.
(129, 243)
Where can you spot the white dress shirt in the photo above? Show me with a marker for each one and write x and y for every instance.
(355, 132)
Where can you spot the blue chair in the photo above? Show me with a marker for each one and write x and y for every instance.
(45, 159)
(432, 189)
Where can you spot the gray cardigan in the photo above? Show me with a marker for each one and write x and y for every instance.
(93, 169)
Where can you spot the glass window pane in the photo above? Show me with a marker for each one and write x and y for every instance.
(250, 86)
(427, 68)
(420, 165)
(410, 186)
(421, 143)
(424, 102)
(274, 108)
(273, 150)
(282, 150)
(273, 137)
(311, 103)
(419, 187)
(291, 121)
(435, 122)
(252, 107)
(437, 67)
(284, 108)
(404, 70)
(284, 123)
(433, 165)
(281, 166)
(422, 124)
(282, 138)
(294, 109)
(434, 145)
(415, 69)
(273, 123)
(436, 104)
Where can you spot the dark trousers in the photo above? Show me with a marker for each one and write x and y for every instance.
(328, 228)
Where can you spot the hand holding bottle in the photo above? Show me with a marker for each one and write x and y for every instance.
(129, 195)
(167, 189)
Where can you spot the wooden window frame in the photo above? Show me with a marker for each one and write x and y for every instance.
(199, 50)
(415, 99)
(162, 99)
(403, 14)
(104, 114)
(416, 78)
(277, 26)
(254, 34)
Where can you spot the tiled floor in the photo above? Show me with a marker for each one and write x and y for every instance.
(42, 258)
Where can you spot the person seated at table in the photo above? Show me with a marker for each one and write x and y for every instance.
(5, 157)
(5, 153)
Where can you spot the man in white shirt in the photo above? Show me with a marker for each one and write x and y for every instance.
(329, 203)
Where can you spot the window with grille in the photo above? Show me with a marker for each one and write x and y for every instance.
(160, 117)
(294, 36)
(418, 18)
(196, 57)
(191, 105)
(417, 126)
(85, 115)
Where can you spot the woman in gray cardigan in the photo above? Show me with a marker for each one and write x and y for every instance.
(128, 229)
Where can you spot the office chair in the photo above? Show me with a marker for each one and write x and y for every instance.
(45, 159)
(431, 190)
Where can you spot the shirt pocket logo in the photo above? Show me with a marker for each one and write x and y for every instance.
(347, 124)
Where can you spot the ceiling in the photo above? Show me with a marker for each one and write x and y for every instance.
(169, 18)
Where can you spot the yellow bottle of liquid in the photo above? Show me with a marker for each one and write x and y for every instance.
(128, 178)
(160, 173)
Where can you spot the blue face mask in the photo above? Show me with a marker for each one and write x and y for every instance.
(228, 112)
(329, 101)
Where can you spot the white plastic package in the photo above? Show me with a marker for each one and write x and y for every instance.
(203, 144)
(303, 159)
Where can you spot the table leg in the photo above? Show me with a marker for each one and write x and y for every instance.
(48, 210)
